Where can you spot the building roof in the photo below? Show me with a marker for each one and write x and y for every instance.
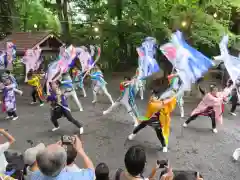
(28, 40)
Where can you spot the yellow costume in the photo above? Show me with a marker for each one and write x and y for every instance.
(35, 83)
(164, 108)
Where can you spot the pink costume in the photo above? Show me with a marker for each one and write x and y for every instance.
(216, 102)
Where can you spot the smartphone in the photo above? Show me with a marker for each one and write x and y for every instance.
(162, 163)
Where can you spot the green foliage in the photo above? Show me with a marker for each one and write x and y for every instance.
(33, 12)
(122, 24)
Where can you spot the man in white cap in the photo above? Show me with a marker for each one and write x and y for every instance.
(30, 159)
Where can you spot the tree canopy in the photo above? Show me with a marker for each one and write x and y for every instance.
(118, 26)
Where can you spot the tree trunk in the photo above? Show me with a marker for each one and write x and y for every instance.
(5, 17)
(63, 18)
(66, 22)
(121, 37)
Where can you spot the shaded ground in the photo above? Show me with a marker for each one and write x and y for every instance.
(105, 136)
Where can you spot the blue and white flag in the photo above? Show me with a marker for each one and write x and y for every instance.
(189, 63)
(231, 63)
(147, 63)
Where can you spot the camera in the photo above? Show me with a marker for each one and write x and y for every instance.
(67, 140)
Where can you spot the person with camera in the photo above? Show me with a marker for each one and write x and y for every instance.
(67, 143)
(135, 162)
(169, 175)
(52, 162)
(60, 108)
(4, 147)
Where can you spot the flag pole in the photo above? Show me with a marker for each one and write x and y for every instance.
(98, 57)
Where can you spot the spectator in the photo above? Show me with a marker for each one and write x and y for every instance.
(169, 175)
(52, 160)
(4, 147)
(102, 172)
(135, 160)
(71, 156)
(30, 159)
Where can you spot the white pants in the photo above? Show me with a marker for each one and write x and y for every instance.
(97, 88)
(73, 95)
(126, 104)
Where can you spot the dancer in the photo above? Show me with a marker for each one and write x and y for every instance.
(98, 83)
(9, 99)
(158, 117)
(9, 75)
(60, 107)
(211, 106)
(78, 80)
(175, 84)
(139, 84)
(127, 99)
(234, 98)
(34, 81)
(68, 89)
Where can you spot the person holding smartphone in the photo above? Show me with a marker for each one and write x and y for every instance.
(52, 163)
(4, 147)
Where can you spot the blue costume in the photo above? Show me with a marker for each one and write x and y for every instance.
(98, 83)
(127, 99)
(67, 88)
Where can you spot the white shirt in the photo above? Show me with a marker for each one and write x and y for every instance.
(3, 162)
(72, 168)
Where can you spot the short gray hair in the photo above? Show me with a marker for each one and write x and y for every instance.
(51, 161)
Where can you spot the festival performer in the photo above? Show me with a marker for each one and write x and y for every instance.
(211, 106)
(175, 84)
(9, 75)
(127, 99)
(68, 90)
(98, 83)
(158, 117)
(234, 97)
(139, 84)
(34, 81)
(60, 107)
(9, 99)
(78, 80)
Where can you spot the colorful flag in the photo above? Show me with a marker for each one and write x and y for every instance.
(147, 63)
(231, 63)
(189, 63)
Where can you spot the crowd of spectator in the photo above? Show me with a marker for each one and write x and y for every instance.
(57, 161)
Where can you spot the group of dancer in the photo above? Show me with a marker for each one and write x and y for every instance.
(160, 105)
